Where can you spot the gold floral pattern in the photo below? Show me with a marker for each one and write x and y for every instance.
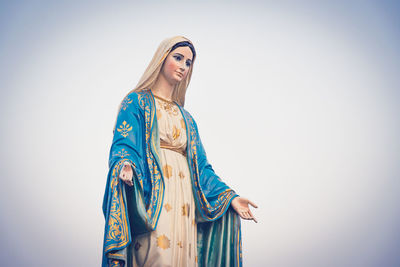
(167, 170)
(122, 153)
(163, 242)
(125, 103)
(124, 129)
(181, 174)
(167, 105)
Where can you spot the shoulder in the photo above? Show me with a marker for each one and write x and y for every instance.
(134, 101)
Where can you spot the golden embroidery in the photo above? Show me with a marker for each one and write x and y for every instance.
(183, 124)
(193, 221)
(168, 106)
(185, 209)
(163, 242)
(175, 132)
(196, 258)
(115, 254)
(148, 106)
(181, 174)
(158, 114)
(117, 232)
(167, 207)
(122, 153)
(194, 142)
(167, 170)
(125, 103)
(115, 263)
(124, 129)
(180, 244)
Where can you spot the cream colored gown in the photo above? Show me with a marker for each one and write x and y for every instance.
(174, 242)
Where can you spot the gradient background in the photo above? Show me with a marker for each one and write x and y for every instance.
(297, 106)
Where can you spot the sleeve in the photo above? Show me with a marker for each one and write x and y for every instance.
(215, 189)
(122, 204)
(127, 144)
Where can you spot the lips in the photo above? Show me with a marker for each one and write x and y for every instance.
(180, 74)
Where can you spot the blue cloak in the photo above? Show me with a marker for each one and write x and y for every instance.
(132, 210)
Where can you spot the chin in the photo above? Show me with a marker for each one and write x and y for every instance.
(179, 79)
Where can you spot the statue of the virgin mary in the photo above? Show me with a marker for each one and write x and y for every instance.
(163, 204)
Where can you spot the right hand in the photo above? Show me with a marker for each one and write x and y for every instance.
(126, 174)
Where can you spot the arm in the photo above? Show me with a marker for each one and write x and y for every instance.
(124, 207)
(213, 184)
(127, 146)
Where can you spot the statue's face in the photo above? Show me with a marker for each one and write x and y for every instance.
(177, 64)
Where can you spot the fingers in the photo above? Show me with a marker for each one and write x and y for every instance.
(252, 216)
(252, 203)
(247, 215)
(126, 177)
(244, 215)
(129, 182)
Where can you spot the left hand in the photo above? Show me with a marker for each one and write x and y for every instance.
(241, 206)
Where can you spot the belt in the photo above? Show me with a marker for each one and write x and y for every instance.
(173, 148)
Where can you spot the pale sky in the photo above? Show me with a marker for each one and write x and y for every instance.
(297, 107)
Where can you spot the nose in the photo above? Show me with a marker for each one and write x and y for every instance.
(182, 67)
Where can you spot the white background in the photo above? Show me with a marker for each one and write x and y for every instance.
(297, 107)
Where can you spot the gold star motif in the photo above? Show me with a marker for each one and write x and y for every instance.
(185, 209)
(158, 114)
(168, 207)
(180, 244)
(167, 169)
(163, 242)
(175, 132)
(181, 174)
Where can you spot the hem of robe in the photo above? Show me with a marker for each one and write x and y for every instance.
(224, 231)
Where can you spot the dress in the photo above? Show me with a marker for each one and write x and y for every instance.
(152, 222)
(174, 241)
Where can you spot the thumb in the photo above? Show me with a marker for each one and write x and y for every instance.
(253, 204)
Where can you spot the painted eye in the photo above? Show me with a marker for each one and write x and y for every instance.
(178, 58)
(188, 63)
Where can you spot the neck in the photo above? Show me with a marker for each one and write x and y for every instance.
(163, 88)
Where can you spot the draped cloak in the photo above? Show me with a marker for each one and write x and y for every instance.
(132, 210)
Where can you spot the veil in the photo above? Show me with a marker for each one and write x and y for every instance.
(152, 71)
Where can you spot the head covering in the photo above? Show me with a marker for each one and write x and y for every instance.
(150, 75)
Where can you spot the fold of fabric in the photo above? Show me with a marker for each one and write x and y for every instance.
(219, 242)
(134, 210)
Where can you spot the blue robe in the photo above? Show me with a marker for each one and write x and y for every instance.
(132, 210)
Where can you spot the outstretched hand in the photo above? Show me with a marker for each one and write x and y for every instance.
(126, 174)
(241, 206)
